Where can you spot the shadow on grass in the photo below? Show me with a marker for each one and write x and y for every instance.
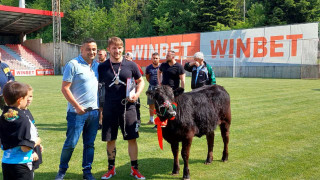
(316, 89)
(147, 129)
(52, 127)
(43, 175)
(52, 175)
(151, 168)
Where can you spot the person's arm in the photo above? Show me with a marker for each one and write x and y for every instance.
(140, 69)
(10, 76)
(35, 156)
(148, 77)
(182, 79)
(100, 115)
(159, 73)
(65, 89)
(25, 148)
(188, 66)
(139, 88)
(38, 142)
(182, 75)
(7, 71)
(212, 77)
(147, 74)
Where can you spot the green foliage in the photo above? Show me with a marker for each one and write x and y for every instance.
(122, 17)
(291, 11)
(163, 24)
(173, 16)
(221, 27)
(256, 15)
(242, 25)
(213, 12)
(40, 4)
(9, 2)
(101, 19)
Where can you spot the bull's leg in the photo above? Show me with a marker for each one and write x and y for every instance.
(175, 152)
(186, 144)
(224, 127)
(210, 143)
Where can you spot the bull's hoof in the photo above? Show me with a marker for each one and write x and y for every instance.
(208, 161)
(174, 174)
(186, 177)
(224, 159)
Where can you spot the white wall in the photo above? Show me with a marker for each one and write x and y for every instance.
(45, 50)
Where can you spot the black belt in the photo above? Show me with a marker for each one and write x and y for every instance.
(89, 109)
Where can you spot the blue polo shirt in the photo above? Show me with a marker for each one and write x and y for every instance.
(5, 75)
(84, 82)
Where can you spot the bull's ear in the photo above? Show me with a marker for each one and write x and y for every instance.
(150, 93)
(178, 91)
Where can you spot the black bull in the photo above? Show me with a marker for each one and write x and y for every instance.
(197, 113)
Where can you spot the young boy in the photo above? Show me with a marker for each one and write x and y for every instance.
(37, 151)
(17, 133)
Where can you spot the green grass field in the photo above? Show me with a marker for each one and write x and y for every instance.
(275, 134)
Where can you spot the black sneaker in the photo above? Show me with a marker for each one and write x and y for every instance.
(88, 176)
(154, 127)
(60, 175)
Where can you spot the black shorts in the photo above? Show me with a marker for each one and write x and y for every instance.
(17, 171)
(113, 118)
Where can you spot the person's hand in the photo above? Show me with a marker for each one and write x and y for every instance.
(133, 98)
(80, 110)
(100, 119)
(35, 157)
(38, 141)
(196, 63)
(41, 148)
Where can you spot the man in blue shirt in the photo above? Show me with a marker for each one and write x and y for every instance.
(80, 88)
(151, 76)
(5, 76)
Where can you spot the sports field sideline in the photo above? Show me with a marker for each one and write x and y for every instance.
(275, 134)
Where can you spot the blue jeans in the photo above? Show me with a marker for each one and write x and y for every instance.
(88, 124)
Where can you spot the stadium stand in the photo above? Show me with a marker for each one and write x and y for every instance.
(30, 56)
(11, 61)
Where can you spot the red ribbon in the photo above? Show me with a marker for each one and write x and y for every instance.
(159, 129)
(161, 124)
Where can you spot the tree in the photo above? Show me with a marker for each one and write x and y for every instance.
(212, 12)
(291, 11)
(256, 15)
(9, 2)
(172, 16)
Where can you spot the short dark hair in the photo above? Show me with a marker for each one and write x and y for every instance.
(155, 54)
(88, 40)
(102, 50)
(14, 90)
(171, 51)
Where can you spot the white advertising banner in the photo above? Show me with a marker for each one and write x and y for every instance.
(290, 44)
(25, 72)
